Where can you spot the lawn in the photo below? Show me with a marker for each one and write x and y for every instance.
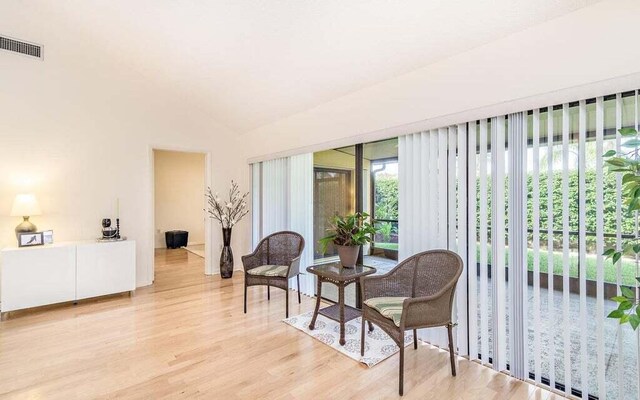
(610, 272)
(388, 246)
(628, 269)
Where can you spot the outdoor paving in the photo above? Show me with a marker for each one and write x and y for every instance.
(554, 328)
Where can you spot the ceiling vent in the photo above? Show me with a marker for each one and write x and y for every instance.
(20, 47)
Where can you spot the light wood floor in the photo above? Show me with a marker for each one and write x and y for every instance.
(187, 337)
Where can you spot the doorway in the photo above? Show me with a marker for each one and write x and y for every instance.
(180, 224)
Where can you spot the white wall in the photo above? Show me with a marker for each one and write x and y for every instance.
(587, 47)
(77, 130)
(179, 194)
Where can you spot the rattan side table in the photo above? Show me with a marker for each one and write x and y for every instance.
(341, 277)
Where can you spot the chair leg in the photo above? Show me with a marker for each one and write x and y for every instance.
(415, 339)
(245, 297)
(286, 301)
(268, 292)
(362, 338)
(401, 388)
(298, 279)
(451, 351)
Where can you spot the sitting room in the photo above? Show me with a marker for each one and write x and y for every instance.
(319, 200)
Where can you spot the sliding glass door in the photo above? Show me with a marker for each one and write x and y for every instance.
(530, 206)
(332, 195)
(572, 211)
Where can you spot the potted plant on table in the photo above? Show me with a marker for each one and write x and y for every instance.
(348, 233)
(228, 212)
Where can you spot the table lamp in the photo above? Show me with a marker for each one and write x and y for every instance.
(25, 206)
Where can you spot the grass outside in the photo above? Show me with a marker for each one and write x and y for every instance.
(628, 266)
(387, 246)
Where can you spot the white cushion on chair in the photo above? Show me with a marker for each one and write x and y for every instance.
(388, 307)
(269, 270)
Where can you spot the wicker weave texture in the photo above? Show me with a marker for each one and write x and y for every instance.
(428, 279)
(280, 248)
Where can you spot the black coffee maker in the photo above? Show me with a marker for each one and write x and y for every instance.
(108, 231)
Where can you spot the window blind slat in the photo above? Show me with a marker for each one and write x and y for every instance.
(256, 203)
(484, 289)
(498, 243)
(535, 200)
(463, 290)
(620, 332)
(441, 194)
(566, 317)
(452, 228)
(600, 316)
(472, 265)
(582, 245)
(550, 266)
(452, 187)
(433, 182)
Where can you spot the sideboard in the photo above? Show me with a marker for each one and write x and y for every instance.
(63, 272)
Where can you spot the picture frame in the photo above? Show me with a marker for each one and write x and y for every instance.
(47, 237)
(30, 239)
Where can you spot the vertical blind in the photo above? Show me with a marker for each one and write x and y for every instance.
(282, 197)
(530, 207)
(424, 201)
(527, 202)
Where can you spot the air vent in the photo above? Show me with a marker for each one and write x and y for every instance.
(20, 47)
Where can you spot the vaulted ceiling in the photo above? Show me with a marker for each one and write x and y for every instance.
(253, 62)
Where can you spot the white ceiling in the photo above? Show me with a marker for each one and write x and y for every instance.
(253, 62)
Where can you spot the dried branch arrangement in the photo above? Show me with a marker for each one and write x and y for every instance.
(227, 211)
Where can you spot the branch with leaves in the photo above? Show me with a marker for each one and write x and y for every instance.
(228, 212)
(627, 162)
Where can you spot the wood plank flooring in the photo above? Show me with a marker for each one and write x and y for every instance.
(187, 337)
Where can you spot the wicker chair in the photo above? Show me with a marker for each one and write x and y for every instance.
(418, 293)
(274, 261)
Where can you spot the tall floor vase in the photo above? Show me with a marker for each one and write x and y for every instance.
(226, 257)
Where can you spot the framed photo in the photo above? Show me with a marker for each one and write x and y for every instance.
(30, 239)
(47, 237)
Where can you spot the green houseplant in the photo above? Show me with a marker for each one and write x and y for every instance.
(348, 233)
(627, 162)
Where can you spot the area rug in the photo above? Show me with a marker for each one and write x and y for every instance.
(197, 249)
(378, 345)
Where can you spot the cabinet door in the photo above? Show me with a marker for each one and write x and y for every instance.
(105, 268)
(37, 276)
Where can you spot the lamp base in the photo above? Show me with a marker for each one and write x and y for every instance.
(25, 226)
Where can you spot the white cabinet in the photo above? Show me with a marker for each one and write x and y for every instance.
(37, 276)
(105, 268)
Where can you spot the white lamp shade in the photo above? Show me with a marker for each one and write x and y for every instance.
(25, 205)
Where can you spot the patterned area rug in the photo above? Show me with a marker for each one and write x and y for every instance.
(378, 345)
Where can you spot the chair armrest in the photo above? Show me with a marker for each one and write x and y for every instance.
(294, 267)
(253, 260)
(426, 311)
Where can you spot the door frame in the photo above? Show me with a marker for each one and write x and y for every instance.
(208, 231)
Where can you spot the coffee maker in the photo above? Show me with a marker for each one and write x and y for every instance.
(109, 232)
